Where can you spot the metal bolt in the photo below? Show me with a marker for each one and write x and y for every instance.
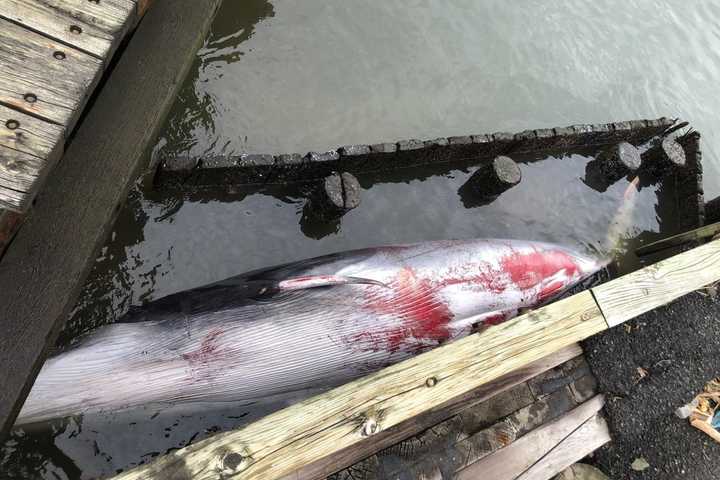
(30, 97)
(59, 55)
(431, 382)
(12, 124)
(75, 29)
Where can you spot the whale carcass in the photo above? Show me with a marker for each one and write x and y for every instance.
(316, 322)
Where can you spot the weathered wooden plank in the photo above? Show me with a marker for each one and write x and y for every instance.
(449, 456)
(518, 459)
(43, 77)
(658, 284)
(53, 252)
(29, 147)
(479, 429)
(419, 454)
(19, 174)
(285, 441)
(592, 435)
(386, 438)
(95, 27)
(706, 231)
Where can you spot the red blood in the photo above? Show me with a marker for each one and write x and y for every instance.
(495, 319)
(550, 289)
(207, 351)
(527, 270)
(423, 316)
(482, 276)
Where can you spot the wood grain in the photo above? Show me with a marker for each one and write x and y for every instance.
(284, 442)
(658, 284)
(28, 67)
(592, 435)
(53, 252)
(95, 28)
(27, 153)
(520, 457)
(386, 438)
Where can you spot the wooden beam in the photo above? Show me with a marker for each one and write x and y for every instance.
(93, 27)
(442, 413)
(547, 450)
(287, 441)
(44, 268)
(701, 233)
(661, 283)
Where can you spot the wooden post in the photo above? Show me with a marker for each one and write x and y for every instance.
(489, 181)
(611, 165)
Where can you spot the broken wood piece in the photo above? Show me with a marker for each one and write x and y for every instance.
(707, 231)
(705, 427)
(548, 449)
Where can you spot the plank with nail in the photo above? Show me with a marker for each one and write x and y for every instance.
(93, 26)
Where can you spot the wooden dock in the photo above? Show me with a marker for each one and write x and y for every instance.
(52, 56)
(322, 435)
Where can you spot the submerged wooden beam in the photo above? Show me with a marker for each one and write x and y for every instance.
(287, 441)
(701, 233)
(45, 266)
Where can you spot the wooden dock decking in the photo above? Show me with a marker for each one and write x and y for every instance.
(52, 55)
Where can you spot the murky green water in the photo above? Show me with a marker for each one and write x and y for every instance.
(297, 76)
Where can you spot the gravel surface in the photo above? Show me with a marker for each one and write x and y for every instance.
(647, 368)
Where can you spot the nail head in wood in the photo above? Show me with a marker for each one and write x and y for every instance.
(30, 97)
(59, 55)
(75, 29)
(12, 124)
(431, 382)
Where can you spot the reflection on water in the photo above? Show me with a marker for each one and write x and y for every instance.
(298, 76)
